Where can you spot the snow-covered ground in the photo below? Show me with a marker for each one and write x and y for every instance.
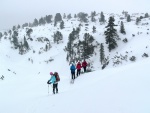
(124, 88)
(117, 90)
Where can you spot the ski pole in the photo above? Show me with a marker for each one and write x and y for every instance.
(48, 89)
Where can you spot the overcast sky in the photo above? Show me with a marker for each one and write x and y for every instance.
(14, 12)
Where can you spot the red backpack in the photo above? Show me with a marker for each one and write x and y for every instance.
(57, 77)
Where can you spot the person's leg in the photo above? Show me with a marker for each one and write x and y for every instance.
(79, 71)
(53, 88)
(73, 75)
(85, 69)
(57, 88)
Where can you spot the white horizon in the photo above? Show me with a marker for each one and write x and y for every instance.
(19, 12)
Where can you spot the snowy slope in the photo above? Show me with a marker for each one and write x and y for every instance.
(123, 88)
(117, 90)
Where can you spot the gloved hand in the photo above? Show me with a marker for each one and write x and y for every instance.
(48, 82)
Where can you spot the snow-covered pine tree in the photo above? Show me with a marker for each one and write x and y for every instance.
(58, 37)
(21, 51)
(55, 23)
(94, 29)
(102, 18)
(42, 21)
(26, 45)
(46, 47)
(18, 27)
(83, 17)
(69, 16)
(75, 16)
(10, 32)
(1, 35)
(137, 20)
(29, 31)
(62, 25)
(48, 19)
(36, 22)
(128, 18)
(102, 54)
(14, 28)
(88, 47)
(64, 16)
(58, 17)
(93, 14)
(70, 45)
(111, 34)
(25, 25)
(15, 41)
(5, 33)
(146, 15)
(122, 29)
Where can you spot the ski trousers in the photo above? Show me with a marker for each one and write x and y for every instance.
(73, 75)
(78, 71)
(55, 87)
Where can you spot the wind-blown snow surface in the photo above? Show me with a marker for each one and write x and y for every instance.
(116, 90)
(121, 89)
(124, 89)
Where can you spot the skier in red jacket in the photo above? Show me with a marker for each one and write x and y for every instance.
(78, 67)
(84, 64)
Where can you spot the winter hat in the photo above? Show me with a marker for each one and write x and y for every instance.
(51, 73)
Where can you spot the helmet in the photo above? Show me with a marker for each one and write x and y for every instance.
(51, 73)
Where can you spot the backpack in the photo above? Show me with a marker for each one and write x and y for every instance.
(57, 77)
(73, 67)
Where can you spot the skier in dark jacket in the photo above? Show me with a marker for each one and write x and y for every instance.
(73, 68)
(84, 64)
(78, 68)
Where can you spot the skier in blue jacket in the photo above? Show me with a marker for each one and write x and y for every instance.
(73, 68)
(53, 81)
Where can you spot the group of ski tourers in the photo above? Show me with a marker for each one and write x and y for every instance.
(54, 79)
(78, 67)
